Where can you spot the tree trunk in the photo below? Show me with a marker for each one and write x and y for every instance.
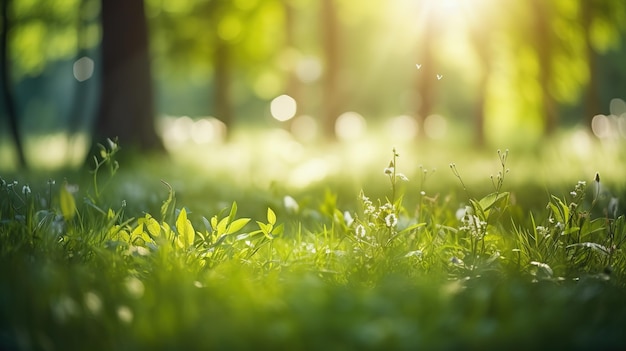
(592, 97)
(481, 45)
(126, 110)
(543, 43)
(331, 92)
(222, 95)
(7, 90)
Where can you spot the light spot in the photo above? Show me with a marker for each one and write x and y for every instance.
(435, 126)
(309, 69)
(283, 108)
(617, 106)
(83, 69)
(350, 126)
(125, 314)
(304, 128)
(202, 131)
(135, 287)
(403, 128)
(600, 126)
(93, 302)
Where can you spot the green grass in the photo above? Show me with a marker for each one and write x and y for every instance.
(315, 249)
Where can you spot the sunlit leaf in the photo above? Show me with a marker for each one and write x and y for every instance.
(68, 204)
(271, 216)
(237, 224)
(186, 233)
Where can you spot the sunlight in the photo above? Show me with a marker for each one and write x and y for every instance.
(350, 126)
(435, 126)
(304, 128)
(402, 128)
(177, 132)
(283, 108)
(83, 68)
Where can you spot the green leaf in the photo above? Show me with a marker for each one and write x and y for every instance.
(186, 233)
(490, 200)
(237, 224)
(222, 225)
(233, 212)
(68, 204)
(271, 216)
(153, 227)
(167, 203)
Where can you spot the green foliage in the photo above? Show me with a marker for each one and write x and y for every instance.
(380, 274)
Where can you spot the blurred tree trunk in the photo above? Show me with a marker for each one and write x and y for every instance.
(426, 77)
(293, 84)
(542, 37)
(7, 90)
(480, 41)
(592, 98)
(222, 94)
(126, 109)
(77, 118)
(331, 93)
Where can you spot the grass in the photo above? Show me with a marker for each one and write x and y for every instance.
(312, 249)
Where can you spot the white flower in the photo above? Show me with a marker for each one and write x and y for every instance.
(360, 231)
(402, 177)
(391, 220)
(388, 170)
(26, 190)
(291, 204)
(347, 217)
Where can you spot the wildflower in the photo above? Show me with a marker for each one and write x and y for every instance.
(391, 220)
(291, 204)
(402, 177)
(26, 190)
(388, 170)
(541, 230)
(360, 231)
(347, 217)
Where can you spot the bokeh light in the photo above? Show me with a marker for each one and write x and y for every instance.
(83, 68)
(435, 126)
(283, 108)
(180, 131)
(402, 128)
(304, 128)
(350, 126)
(309, 69)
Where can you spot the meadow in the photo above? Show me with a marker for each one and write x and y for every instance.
(268, 243)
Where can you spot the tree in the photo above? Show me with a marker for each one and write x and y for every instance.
(7, 91)
(126, 110)
(330, 39)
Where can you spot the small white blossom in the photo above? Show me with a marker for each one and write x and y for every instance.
(402, 177)
(26, 190)
(347, 217)
(360, 231)
(388, 170)
(391, 220)
(291, 204)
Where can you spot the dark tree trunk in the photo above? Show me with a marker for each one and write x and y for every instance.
(592, 98)
(126, 110)
(543, 42)
(9, 102)
(331, 91)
